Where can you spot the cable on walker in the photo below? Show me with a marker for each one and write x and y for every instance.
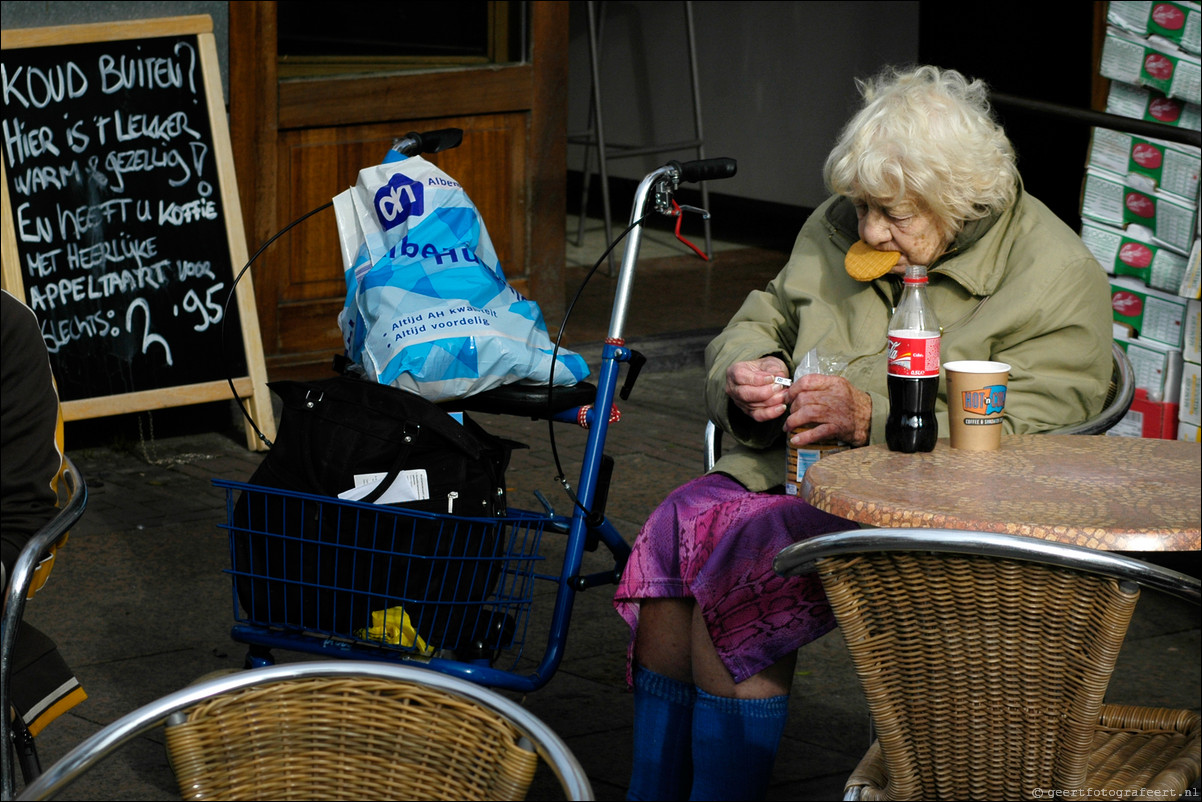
(663, 202)
(560, 476)
(481, 633)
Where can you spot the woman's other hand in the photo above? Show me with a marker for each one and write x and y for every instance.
(835, 409)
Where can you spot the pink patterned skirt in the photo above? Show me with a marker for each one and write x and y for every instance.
(713, 541)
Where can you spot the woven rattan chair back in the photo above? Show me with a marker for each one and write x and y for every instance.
(984, 677)
(985, 659)
(336, 729)
(333, 738)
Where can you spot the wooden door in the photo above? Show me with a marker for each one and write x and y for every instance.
(300, 140)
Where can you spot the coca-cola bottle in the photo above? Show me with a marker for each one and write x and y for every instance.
(913, 368)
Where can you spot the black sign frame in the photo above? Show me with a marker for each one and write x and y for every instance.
(121, 227)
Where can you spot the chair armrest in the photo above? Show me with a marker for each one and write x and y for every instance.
(869, 776)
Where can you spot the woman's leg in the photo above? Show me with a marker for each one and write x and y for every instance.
(709, 547)
(737, 727)
(663, 642)
(663, 702)
(696, 731)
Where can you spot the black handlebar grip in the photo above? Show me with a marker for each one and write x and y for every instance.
(413, 143)
(707, 169)
(442, 139)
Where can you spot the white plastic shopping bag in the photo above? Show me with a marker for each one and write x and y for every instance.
(428, 308)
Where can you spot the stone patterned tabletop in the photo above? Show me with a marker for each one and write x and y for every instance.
(1111, 493)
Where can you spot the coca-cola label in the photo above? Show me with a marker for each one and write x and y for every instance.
(1135, 254)
(1126, 304)
(1164, 109)
(1168, 17)
(1147, 155)
(1141, 205)
(1158, 66)
(914, 355)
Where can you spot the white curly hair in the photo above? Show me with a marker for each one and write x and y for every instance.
(925, 136)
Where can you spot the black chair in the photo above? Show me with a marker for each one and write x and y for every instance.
(29, 574)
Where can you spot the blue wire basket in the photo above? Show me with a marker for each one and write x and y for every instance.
(381, 579)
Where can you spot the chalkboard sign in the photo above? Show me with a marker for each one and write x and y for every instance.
(121, 225)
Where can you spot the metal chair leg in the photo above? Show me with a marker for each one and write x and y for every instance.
(27, 752)
(696, 84)
(594, 137)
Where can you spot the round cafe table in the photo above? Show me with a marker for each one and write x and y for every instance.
(1110, 493)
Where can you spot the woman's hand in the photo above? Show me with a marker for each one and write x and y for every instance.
(835, 409)
(752, 388)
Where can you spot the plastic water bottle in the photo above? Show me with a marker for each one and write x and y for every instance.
(913, 368)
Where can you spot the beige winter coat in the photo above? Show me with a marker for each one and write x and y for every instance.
(1020, 288)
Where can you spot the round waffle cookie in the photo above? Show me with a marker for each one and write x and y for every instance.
(864, 264)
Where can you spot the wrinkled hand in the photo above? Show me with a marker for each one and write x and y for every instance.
(836, 410)
(750, 385)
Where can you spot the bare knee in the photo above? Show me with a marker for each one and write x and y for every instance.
(663, 643)
(711, 675)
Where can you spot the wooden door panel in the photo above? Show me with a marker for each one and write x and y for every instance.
(300, 141)
(315, 102)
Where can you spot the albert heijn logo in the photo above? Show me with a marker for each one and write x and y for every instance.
(985, 401)
(398, 200)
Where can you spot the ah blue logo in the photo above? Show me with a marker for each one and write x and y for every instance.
(398, 200)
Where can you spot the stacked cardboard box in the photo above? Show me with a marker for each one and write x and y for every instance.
(1190, 395)
(1139, 209)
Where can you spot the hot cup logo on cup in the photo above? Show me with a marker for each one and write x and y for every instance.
(985, 402)
(976, 401)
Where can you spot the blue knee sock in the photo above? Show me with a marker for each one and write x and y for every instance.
(663, 726)
(734, 745)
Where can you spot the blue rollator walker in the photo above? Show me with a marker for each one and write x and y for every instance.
(512, 542)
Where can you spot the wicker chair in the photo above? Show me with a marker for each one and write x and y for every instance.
(985, 659)
(1119, 395)
(29, 574)
(337, 730)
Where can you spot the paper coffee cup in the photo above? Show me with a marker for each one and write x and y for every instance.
(976, 401)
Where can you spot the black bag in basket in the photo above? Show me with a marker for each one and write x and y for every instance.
(326, 566)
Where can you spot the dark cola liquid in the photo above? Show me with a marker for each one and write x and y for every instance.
(911, 425)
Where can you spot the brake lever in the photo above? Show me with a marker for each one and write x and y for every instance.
(636, 363)
(678, 211)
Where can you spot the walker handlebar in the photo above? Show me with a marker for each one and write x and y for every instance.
(413, 143)
(706, 169)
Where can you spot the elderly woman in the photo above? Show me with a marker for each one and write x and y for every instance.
(921, 171)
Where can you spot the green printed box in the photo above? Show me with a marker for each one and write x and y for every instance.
(1157, 368)
(1180, 23)
(1155, 316)
(1171, 167)
(1167, 69)
(1109, 198)
(1138, 103)
(1131, 252)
